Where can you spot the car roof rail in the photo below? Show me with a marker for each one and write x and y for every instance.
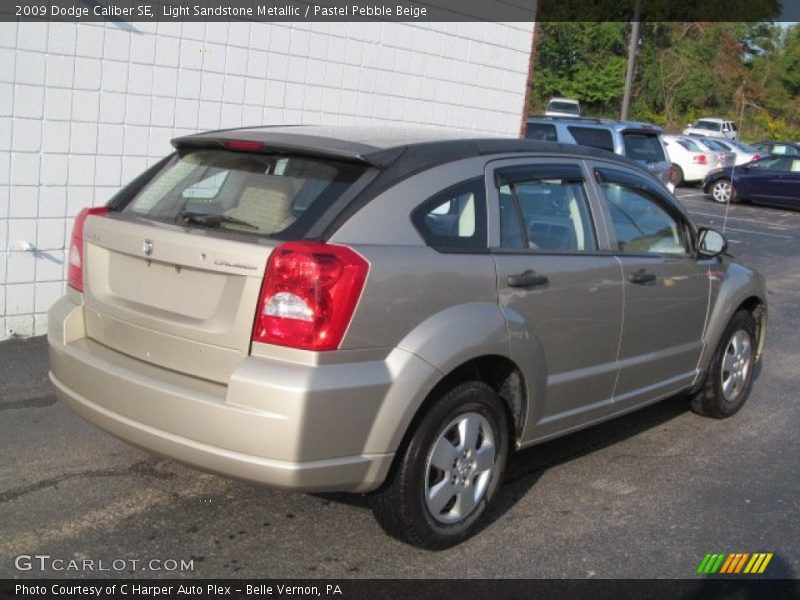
(565, 118)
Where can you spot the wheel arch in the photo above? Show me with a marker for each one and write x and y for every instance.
(498, 372)
(741, 289)
(758, 308)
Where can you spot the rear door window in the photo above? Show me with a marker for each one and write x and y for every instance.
(259, 194)
(545, 208)
(644, 147)
(592, 136)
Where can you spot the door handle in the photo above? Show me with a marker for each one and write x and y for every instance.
(642, 277)
(527, 279)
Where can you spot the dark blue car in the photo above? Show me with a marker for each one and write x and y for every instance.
(771, 180)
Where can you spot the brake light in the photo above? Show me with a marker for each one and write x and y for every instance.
(700, 159)
(756, 157)
(75, 270)
(309, 294)
(243, 145)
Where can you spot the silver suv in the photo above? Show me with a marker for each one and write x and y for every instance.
(323, 310)
(637, 140)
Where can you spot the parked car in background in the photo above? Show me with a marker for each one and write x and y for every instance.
(713, 127)
(771, 147)
(563, 107)
(691, 159)
(328, 309)
(744, 153)
(773, 180)
(636, 140)
(724, 156)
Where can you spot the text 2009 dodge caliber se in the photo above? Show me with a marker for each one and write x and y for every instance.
(370, 311)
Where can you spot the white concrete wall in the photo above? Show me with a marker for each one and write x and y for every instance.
(85, 107)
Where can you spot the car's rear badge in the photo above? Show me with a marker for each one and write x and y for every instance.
(147, 247)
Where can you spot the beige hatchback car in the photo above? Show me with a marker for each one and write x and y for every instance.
(371, 311)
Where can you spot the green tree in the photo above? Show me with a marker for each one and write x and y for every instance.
(585, 61)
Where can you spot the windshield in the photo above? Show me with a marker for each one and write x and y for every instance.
(644, 147)
(710, 125)
(259, 194)
(565, 107)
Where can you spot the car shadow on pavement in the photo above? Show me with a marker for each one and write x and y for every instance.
(526, 466)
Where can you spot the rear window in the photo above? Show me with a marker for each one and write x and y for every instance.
(261, 194)
(744, 147)
(645, 147)
(689, 145)
(541, 131)
(592, 136)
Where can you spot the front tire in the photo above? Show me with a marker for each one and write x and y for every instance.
(730, 376)
(449, 471)
(723, 192)
(676, 175)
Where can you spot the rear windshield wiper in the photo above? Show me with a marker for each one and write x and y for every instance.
(212, 220)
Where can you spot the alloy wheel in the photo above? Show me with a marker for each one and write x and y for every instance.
(736, 365)
(459, 468)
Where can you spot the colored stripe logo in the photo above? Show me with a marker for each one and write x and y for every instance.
(734, 563)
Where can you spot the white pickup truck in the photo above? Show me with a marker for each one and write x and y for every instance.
(713, 127)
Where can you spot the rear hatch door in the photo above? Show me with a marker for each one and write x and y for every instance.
(174, 277)
(645, 147)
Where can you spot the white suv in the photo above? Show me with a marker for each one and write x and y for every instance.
(563, 107)
(713, 127)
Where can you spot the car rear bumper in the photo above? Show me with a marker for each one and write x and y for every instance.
(299, 427)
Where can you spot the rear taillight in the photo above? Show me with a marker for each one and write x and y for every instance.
(309, 294)
(75, 271)
(700, 159)
(756, 157)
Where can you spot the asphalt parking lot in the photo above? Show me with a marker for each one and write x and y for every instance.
(646, 495)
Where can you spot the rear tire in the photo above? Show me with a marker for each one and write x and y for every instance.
(723, 192)
(730, 375)
(449, 472)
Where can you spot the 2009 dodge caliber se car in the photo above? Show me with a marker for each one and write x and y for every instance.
(363, 311)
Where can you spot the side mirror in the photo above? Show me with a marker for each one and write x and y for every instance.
(711, 242)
